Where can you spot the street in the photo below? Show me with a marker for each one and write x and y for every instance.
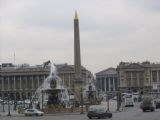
(128, 113)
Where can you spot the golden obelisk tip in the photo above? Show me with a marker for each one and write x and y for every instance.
(76, 16)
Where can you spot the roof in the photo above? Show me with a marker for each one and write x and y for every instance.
(107, 71)
(38, 68)
(146, 64)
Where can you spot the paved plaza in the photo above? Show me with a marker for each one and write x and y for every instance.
(127, 113)
(131, 114)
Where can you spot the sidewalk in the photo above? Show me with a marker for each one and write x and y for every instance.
(12, 113)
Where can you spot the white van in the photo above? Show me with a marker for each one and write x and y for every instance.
(128, 100)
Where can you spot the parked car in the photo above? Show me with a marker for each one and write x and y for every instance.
(20, 102)
(98, 111)
(157, 102)
(11, 102)
(33, 112)
(147, 104)
(1, 101)
(5, 102)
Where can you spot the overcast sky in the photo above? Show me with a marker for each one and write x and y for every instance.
(111, 31)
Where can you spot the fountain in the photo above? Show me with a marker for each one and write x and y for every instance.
(56, 96)
(52, 91)
(90, 94)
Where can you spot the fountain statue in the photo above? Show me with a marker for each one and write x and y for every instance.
(90, 94)
(52, 91)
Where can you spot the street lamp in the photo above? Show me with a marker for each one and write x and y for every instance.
(82, 98)
(107, 100)
(42, 100)
(15, 101)
(3, 103)
(118, 100)
(118, 92)
(9, 114)
(30, 104)
(23, 97)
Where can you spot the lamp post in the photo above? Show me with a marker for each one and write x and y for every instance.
(3, 103)
(24, 97)
(42, 100)
(107, 101)
(118, 100)
(9, 114)
(82, 98)
(15, 101)
(30, 104)
(118, 92)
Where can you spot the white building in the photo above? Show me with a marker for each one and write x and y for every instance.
(106, 80)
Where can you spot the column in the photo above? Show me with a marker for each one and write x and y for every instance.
(105, 81)
(109, 84)
(14, 83)
(138, 85)
(8, 83)
(2, 83)
(63, 80)
(114, 84)
(20, 80)
(26, 86)
(131, 84)
(101, 83)
(38, 80)
(32, 81)
(157, 76)
(151, 79)
(69, 80)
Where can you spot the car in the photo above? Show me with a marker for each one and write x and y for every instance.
(5, 102)
(1, 101)
(147, 104)
(20, 102)
(98, 111)
(157, 102)
(33, 112)
(128, 101)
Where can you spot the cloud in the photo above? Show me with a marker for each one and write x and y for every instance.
(110, 31)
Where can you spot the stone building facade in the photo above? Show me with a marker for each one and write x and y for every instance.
(106, 80)
(21, 82)
(136, 77)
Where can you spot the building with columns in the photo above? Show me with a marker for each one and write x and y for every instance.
(136, 77)
(22, 81)
(106, 80)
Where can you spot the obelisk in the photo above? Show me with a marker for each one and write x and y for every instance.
(77, 55)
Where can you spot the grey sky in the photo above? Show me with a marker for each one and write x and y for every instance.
(111, 31)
